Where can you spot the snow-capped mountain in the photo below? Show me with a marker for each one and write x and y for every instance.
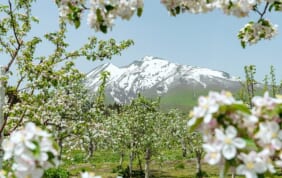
(153, 76)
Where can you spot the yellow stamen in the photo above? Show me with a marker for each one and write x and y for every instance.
(191, 114)
(214, 155)
(228, 94)
(250, 165)
(227, 140)
(274, 135)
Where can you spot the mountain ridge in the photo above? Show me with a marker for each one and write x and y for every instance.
(155, 76)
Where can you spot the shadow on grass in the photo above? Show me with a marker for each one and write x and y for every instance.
(159, 174)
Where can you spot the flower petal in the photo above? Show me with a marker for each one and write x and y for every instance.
(231, 132)
(229, 151)
(219, 134)
(240, 169)
(207, 118)
(260, 167)
(250, 174)
(192, 121)
(239, 142)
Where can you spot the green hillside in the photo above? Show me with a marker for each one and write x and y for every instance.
(180, 98)
(183, 98)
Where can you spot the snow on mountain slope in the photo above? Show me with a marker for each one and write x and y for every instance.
(151, 72)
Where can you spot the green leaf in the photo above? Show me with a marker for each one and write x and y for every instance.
(196, 125)
(109, 7)
(139, 12)
(77, 23)
(99, 16)
(241, 107)
(34, 19)
(250, 144)
(271, 7)
(177, 10)
(243, 44)
(104, 28)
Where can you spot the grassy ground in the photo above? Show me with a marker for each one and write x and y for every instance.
(173, 165)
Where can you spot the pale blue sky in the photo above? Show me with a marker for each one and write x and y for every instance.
(207, 40)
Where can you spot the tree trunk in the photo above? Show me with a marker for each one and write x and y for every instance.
(198, 165)
(121, 159)
(147, 162)
(90, 148)
(2, 100)
(140, 163)
(184, 148)
(131, 158)
(61, 148)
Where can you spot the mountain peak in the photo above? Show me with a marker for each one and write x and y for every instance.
(156, 76)
(152, 58)
(148, 58)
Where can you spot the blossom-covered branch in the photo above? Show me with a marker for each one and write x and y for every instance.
(230, 130)
(102, 13)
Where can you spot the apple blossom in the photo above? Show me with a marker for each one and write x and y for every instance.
(229, 141)
(102, 13)
(31, 150)
(238, 8)
(252, 32)
(265, 155)
(259, 128)
(270, 134)
(252, 165)
(213, 155)
(176, 6)
(209, 105)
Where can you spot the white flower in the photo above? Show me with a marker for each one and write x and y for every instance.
(252, 165)
(205, 109)
(238, 8)
(252, 32)
(270, 133)
(89, 175)
(213, 155)
(29, 149)
(229, 142)
(209, 105)
(8, 148)
(199, 6)
(265, 101)
(265, 155)
(250, 121)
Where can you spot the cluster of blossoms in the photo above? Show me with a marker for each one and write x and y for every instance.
(102, 12)
(231, 129)
(32, 151)
(66, 6)
(238, 8)
(255, 31)
(177, 6)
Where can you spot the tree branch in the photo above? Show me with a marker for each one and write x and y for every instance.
(19, 42)
(263, 12)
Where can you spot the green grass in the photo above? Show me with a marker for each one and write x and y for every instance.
(173, 165)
